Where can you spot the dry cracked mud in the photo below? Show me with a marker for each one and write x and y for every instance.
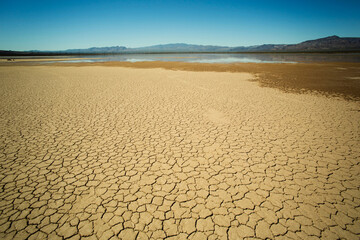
(122, 153)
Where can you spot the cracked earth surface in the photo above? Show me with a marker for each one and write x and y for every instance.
(120, 153)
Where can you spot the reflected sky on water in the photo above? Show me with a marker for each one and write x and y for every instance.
(215, 58)
(230, 58)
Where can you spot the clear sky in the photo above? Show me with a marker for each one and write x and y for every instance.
(65, 24)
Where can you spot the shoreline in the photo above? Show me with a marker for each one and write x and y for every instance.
(39, 59)
(332, 79)
(44, 54)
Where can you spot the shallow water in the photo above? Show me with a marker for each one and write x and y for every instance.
(218, 57)
(230, 58)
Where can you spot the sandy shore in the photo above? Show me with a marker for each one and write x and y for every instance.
(103, 152)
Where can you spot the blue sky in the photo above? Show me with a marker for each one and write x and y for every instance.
(57, 25)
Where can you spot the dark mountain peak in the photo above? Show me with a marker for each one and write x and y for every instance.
(330, 43)
(325, 39)
(329, 38)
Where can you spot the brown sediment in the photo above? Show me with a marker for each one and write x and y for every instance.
(332, 79)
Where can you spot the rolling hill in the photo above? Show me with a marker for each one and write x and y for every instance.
(327, 44)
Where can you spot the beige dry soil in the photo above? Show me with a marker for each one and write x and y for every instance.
(101, 152)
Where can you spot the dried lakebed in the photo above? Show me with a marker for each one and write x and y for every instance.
(123, 153)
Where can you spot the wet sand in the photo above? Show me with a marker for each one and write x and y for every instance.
(105, 151)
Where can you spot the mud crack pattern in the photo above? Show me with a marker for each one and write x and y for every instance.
(119, 153)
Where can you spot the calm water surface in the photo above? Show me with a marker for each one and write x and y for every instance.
(220, 58)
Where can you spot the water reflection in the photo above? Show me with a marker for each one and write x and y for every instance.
(232, 58)
(237, 59)
(215, 58)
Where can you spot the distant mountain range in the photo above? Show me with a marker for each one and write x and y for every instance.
(328, 44)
